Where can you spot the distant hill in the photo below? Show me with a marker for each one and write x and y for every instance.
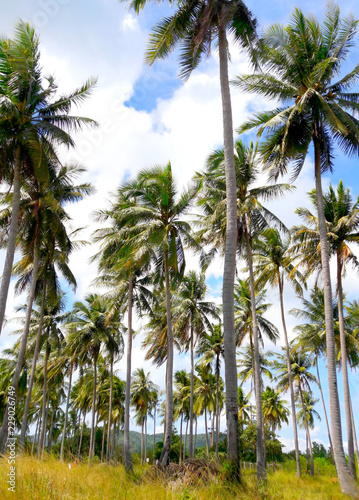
(135, 440)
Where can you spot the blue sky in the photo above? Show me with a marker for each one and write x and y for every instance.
(148, 116)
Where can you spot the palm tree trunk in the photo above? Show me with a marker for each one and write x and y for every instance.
(205, 423)
(306, 429)
(92, 437)
(33, 368)
(126, 432)
(230, 256)
(195, 437)
(10, 251)
(154, 434)
(180, 448)
(49, 441)
(261, 466)
(146, 439)
(110, 409)
(141, 440)
(44, 396)
(165, 455)
(81, 435)
(355, 434)
(344, 360)
(66, 414)
(25, 333)
(323, 402)
(290, 378)
(217, 407)
(103, 440)
(35, 435)
(185, 442)
(347, 483)
(212, 429)
(191, 452)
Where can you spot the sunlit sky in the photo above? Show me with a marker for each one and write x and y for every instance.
(148, 116)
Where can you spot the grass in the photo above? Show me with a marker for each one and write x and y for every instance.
(53, 480)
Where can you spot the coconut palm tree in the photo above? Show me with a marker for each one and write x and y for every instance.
(273, 265)
(205, 400)
(342, 220)
(300, 364)
(192, 318)
(252, 217)
(154, 218)
(245, 409)
(181, 405)
(211, 346)
(275, 412)
(306, 415)
(142, 389)
(33, 122)
(302, 63)
(193, 27)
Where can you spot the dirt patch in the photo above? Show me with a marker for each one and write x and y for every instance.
(187, 473)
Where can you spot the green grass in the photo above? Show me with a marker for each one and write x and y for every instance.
(53, 480)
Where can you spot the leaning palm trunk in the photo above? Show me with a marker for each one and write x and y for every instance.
(261, 466)
(66, 414)
(93, 432)
(44, 399)
(347, 483)
(10, 251)
(344, 360)
(323, 402)
(33, 369)
(355, 435)
(126, 433)
(165, 455)
(191, 451)
(109, 410)
(290, 378)
(21, 357)
(307, 430)
(230, 255)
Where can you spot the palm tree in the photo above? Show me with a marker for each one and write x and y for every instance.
(302, 61)
(181, 404)
(211, 346)
(153, 216)
(142, 389)
(306, 416)
(300, 364)
(205, 400)
(192, 316)
(32, 124)
(193, 27)
(252, 217)
(273, 265)
(274, 410)
(342, 220)
(245, 409)
(92, 332)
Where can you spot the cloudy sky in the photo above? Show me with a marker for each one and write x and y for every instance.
(148, 116)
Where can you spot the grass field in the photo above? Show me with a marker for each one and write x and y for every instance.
(51, 479)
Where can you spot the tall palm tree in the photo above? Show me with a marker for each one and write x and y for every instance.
(193, 27)
(192, 315)
(300, 364)
(181, 404)
(154, 218)
(306, 415)
(211, 346)
(274, 410)
(32, 124)
(252, 217)
(273, 265)
(302, 62)
(205, 400)
(142, 389)
(342, 221)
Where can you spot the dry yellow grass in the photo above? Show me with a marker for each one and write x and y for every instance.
(51, 479)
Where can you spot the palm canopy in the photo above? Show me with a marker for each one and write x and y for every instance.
(142, 389)
(246, 369)
(195, 26)
(308, 411)
(302, 63)
(342, 221)
(275, 412)
(300, 364)
(32, 116)
(243, 315)
(251, 214)
(273, 262)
